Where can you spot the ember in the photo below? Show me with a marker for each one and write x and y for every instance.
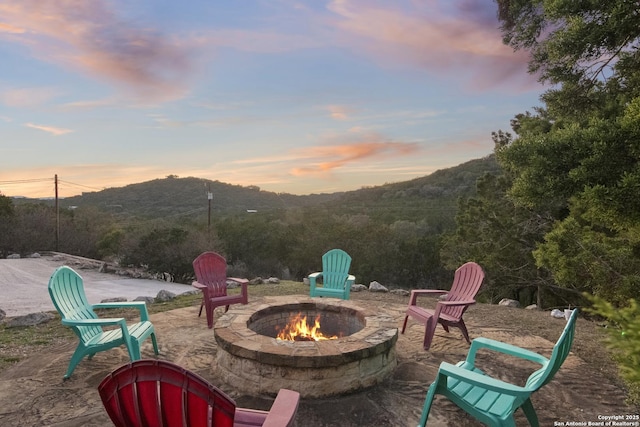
(299, 330)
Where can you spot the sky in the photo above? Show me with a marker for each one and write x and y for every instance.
(291, 96)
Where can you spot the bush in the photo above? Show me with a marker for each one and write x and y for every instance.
(623, 339)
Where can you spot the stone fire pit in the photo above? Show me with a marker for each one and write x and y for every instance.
(250, 359)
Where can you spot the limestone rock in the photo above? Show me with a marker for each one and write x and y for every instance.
(401, 292)
(509, 302)
(164, 296)
(358, 288)
(377, 287)
(30, 319)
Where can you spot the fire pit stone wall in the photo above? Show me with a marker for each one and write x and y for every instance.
(255, 363)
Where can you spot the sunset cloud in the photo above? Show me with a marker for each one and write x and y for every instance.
(7, 28)
(327, 158)
(437, 36)
(339, 112)
(28, 97)
(91, 37)
(50, 129)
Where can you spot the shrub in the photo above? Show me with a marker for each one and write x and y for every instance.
(623, 339)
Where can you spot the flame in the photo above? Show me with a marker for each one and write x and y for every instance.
(299, 330)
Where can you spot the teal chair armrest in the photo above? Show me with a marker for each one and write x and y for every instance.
(95, 322)
(480, 380)
(313, 277)
(140, 305)
(501, 347)
(351, 279)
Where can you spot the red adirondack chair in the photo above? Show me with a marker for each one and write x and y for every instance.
(159, 393)
(448, 312)
(211, 279)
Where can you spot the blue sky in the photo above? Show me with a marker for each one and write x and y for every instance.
(292, 96)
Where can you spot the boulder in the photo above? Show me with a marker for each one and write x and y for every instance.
(401, 292)
(30, 319)
(164, 296)
(148, 300)
(509, 302)
(13, 256)
(358, 288)
(377, 287)
(3, 314)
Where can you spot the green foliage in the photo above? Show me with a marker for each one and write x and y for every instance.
(500, 236)
(623, 339)
(6, 206)
(577, 158)
(168, 250)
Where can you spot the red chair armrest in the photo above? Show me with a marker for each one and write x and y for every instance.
(198, 285)
(284, 409)
(417, 292)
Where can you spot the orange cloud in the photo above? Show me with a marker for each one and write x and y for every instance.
(339, 112)
(328, 158)
(91, 37)
(7, 28)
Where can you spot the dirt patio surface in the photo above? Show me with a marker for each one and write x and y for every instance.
(33, 393)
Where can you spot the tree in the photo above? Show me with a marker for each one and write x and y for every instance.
(580, 160)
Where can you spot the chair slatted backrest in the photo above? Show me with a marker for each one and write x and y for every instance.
(335, 268)
(211, 270)
(160, 393)
(66, 289)
(466, 284)
(560, 352)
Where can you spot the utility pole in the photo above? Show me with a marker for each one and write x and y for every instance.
(209, 198)
(57, 213)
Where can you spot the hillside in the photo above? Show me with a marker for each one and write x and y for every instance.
(187, 197)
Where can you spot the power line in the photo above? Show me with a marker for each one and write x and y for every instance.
(24, 181)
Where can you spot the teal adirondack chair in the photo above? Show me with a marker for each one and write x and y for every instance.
(67, 293)
(336, 280)
(489, 400)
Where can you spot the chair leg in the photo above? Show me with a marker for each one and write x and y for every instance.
(75, 359)
(427, 402)
(201, 305)
(530, 413)
(404, 324)
(463, 329)
(155, 343)
(429, 330)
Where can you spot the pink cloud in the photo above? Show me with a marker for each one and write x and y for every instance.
(49, 129)
(439, 36)
(324, 159)
(88, 35)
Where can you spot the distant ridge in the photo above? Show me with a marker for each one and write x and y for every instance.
(173, 196)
